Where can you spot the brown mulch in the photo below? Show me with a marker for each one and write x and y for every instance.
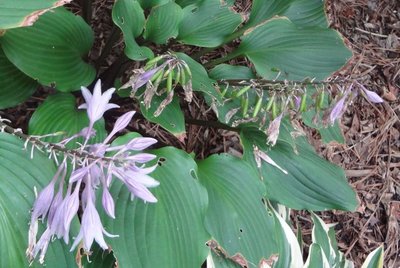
(371, 155)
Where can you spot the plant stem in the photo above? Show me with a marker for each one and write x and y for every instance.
(86, 10)
(217, 61)
(114, 36)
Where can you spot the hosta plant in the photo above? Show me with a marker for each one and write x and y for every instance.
(73, 194)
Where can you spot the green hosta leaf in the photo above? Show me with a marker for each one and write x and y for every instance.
(296, 52)
(163, 23)
(169, 233)
(14, 14)
(200, 80)
(300, 12)
(146, 4)
(321, 236)
(236, 217)
(328, 133)
(99, 258)
(171, 118)
(19, 174)
(310, 178)
(51, 50)
(15, 86)
(184, 3)
(374, 259)
(316, 258)
(59, 113)
(208, 23)
(226, 71)
(128, 15)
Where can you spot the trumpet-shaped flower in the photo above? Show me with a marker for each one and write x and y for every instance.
(97, 104)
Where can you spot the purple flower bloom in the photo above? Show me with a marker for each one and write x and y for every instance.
(108, 202)
(91, 229)
(120, 124)
(97, 104)
(337, 110)
(371, 96)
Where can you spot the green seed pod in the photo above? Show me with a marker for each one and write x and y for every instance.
(223, 93)
(303, 103)
(320, 100)
(187, 70)
(153, 61)
(269, 103)
(157, 75)
(183, 78)
(274, 110)
(257, 107)
(245, 106)
(169, 82)
(167, 72)
(242, 91)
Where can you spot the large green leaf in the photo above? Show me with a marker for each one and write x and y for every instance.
(208, 23)
(59, 113)
(328, 133)
(169, 233)
(163, 23)
(311, 183)
(227, 71)
(19, 174)
(171, 118)
(128, 15)
(21, 13)
(300, 12)
(15, 86)
(146, 4)
(278, 44)
(51, 50)
(236, 217)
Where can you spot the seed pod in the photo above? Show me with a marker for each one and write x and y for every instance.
(245, 106)
(274, 110)
(157, 75)
(169, 82)
(269, 103)
(187, 70)
(257, 107)
(242, 91)
(183, 78)
(223, 93)
(303, 103)
(153, 61)
(320, 100)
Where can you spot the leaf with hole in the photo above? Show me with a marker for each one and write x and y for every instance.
(51, 50)
(169, 233)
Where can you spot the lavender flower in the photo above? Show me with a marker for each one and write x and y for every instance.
(94, 172)
(337, 110)
(371, 96)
